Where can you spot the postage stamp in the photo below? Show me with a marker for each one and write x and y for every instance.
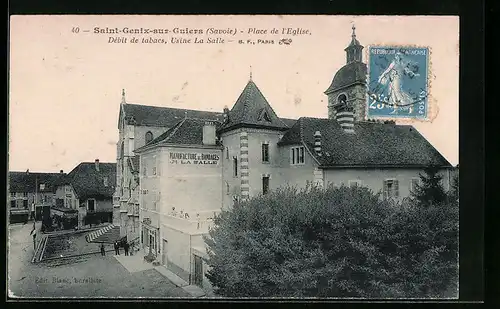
(398, 82)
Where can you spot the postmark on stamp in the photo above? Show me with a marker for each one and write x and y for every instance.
(398, 82)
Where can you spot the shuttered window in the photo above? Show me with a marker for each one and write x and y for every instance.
(391, 188)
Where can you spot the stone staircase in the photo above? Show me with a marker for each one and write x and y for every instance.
(108, 234)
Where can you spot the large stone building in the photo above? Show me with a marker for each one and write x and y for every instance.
(177, 169)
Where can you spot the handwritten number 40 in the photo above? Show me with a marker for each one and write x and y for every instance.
(75, 29)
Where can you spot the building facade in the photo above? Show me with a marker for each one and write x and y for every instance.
(137, 126)
(202, 162)
(29, 192)
(89, 189)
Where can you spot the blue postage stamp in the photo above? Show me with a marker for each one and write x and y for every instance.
(398, 83)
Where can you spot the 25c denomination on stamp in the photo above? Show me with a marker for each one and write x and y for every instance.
(398, 82)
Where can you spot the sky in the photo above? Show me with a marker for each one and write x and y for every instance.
(65, 84)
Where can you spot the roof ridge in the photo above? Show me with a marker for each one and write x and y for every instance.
(169, 107)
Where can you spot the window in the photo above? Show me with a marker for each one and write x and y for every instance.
(122, 150)
(155, 162)
(235, 166)
(264, 116)
(265, 184)
(391, 188)
(91, 205)
(353, 183)
(42, 186)
(297, 155)
(25, 194)
(414, 182)
(149, 137)
(265, 152)
(12, 194)
(227, 188)
(105, 181)
(13, 204)
(25, 203)
(227, 153)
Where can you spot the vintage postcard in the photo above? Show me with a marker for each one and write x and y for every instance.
(233, 157)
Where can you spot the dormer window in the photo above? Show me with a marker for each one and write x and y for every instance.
(105, 181)
(149, 137)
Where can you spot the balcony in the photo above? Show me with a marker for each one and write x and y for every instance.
(133, 209)
(200, 224)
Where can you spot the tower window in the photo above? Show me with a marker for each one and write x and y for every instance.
(342, 99)
(265, 184)
(149, 137)
(265, 153)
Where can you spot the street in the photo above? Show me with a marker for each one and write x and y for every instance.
(86, 276)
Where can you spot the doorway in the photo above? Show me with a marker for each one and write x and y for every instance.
(164, 255)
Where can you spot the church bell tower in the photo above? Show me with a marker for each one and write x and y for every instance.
(348, 89)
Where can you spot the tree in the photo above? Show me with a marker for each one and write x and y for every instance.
(454, 188)
(430, 191)
(337, 242)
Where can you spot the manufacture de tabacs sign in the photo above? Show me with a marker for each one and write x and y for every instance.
(193, 158)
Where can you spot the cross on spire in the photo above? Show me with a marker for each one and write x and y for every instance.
(353, 31)
(250, 72)
(123, 96)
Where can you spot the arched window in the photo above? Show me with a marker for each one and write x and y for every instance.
(122, 149)
(149, 137)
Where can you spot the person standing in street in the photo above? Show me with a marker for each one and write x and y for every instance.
(103, 252)
(125, 247)
(117, 248)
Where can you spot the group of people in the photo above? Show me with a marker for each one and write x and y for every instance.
(116, 245)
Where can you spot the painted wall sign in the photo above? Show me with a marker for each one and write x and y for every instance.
(193, 158)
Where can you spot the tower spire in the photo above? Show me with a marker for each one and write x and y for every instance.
(354, 50)
(123, 97)
(250, 72)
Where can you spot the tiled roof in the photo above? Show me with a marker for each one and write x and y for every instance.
(372, 144)
(144, 115)
(289, 122)
(252, 109)
(133, 163)
(188, 131)
(27, 181)
(354, 72)
(89, 183)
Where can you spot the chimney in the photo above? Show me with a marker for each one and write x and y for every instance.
(97, 165)
(317, 143)
(346, 120)
(209, 136)
(61, 171)
(226, 114)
